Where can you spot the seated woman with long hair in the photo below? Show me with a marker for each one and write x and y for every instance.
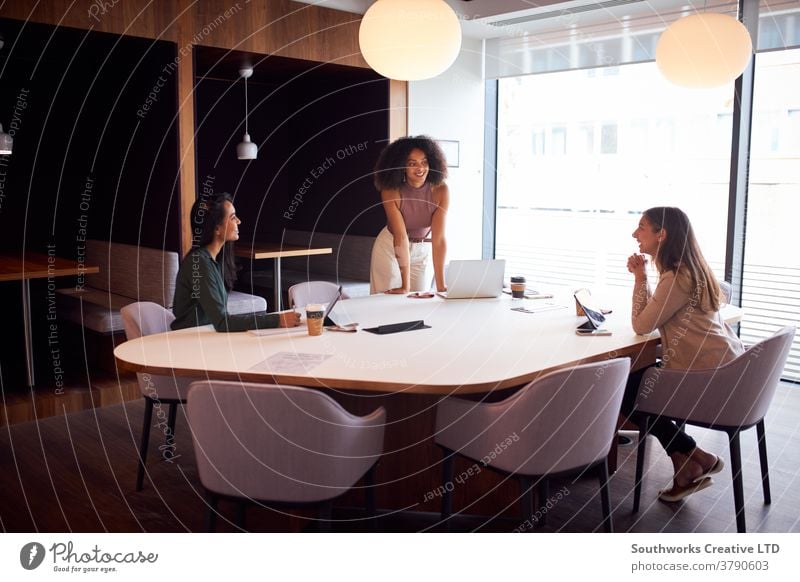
(208, 271)
(684, 307)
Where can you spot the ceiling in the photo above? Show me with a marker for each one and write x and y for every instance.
(483, 19)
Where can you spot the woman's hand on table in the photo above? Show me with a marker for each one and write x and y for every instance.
(288, 319)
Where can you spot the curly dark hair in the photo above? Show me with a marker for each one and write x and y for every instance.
(207, 214)
(390, 170)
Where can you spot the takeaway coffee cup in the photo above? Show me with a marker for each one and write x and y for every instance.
(314, 318)
(518, 287)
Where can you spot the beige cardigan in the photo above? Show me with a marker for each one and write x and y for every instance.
(692, 337)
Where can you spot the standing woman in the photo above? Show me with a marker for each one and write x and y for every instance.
(410, 176)
(208, 271)
(685, 309)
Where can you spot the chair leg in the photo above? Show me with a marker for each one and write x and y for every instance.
(738, 487)
(447, 478)
(762, 456)
(526, 487)
(544, 496)
(325, 516)
(211, 517)
(605, 498)
(173, 414)
(145, 442)
(644, 429)
(241, 509)
(369, 496)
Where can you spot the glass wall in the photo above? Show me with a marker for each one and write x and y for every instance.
(582, 153)
(771, 290)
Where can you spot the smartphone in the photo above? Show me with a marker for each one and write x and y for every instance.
(592, 331)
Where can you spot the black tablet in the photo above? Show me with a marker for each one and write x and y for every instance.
(594, 316)
(328, 321)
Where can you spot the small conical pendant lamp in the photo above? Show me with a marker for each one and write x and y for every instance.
(6, 142)
(246, 150)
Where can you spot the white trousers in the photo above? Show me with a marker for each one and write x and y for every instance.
(384, 273)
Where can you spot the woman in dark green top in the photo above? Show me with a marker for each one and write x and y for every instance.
(208, 271)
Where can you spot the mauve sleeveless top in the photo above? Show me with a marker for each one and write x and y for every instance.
(417, 207)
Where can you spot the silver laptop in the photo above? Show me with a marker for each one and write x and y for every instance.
(474, 279)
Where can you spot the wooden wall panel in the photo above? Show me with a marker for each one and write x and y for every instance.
(398, 109)
(143, 18)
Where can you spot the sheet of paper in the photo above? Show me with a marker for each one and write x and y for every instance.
(538, 307)
(290, 363)
(279, 331)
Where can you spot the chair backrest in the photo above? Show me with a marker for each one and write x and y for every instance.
(307, 292)
(736, 394)
(562, 421)
(727, 291)
(279, 443)
(145, 318)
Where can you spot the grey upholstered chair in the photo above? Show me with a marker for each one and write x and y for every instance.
(280, 445)
(141, 319)
(727, 291)
(302, 294)
(731, 398)
(564, 423)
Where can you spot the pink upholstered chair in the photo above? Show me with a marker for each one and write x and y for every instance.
(144, 318)
(280, 445)
(731, 398)
(563, 423)
(302, 294)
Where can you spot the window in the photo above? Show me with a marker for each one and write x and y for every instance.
(558, 141)
(638, 142)
(608, 139)
(771, 281)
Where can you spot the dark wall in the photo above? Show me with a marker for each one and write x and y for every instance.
(337, 134)
(89, 161)
(319, 135)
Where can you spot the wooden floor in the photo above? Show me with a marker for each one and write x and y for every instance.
(75, 472)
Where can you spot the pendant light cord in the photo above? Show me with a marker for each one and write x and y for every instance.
(245, 106)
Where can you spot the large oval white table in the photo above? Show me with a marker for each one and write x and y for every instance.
(472, 346)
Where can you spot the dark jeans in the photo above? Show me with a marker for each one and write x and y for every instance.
(672, 438)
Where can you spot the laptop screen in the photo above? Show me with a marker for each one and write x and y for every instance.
(468, 279)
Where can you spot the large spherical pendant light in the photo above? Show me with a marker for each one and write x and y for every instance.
(704, 50)
(410, 40)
